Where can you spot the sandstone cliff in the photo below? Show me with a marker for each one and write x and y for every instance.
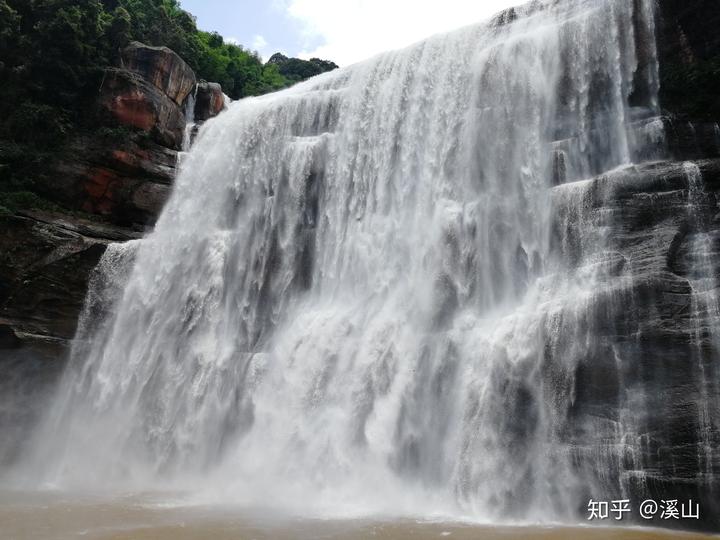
(113, 185)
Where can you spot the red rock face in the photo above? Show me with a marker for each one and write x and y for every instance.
(133, 109)
(99, 186)
(149, 91)
(126, 182)
(134, 102)
(129, 183)
(126, 158)
(162, 67)
(125, 178)
(107, 192)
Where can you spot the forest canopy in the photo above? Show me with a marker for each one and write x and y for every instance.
(52, 53)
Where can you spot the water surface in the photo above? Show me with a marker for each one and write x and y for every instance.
(56, 516)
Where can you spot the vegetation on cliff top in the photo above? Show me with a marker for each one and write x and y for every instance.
(53, 53)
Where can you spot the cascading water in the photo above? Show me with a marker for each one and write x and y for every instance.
(706, 310)
(369, 291)
(190, 125)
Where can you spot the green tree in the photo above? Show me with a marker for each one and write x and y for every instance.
(119, 28)
(53, 54)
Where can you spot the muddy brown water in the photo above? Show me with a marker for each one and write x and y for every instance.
(53, 516)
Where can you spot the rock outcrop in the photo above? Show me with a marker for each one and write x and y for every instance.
(161, 67)
(134, 102)
(118, 178)
(48, 258)
(209, 101)
(126, 182)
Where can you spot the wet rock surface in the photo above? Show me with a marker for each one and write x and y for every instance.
(650, 338)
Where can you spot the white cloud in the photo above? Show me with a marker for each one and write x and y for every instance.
(259, 43)
(352, 30)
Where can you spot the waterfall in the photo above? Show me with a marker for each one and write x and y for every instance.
(190, 125)
(372, 291)
(705, 309)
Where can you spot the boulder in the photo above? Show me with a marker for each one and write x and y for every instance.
(162, 67)
(209, 101)
(132, 101)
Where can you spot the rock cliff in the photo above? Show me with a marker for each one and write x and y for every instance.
(162, 68)
(659, 265)
(118, 179)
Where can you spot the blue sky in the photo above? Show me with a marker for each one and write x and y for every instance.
(256, 24)
(345, 31)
